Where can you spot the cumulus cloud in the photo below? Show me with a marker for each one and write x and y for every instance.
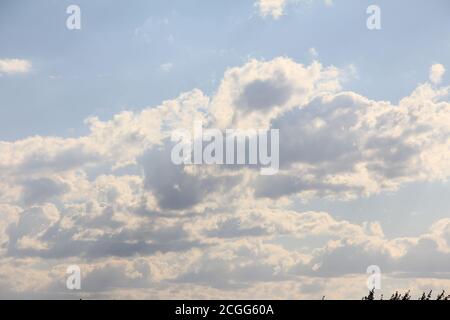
(252, 95)
(139, 226)
(273, 8)
(346, 144)
(437, 72)
(12, 66)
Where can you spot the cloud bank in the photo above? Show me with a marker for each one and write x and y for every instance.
(113, 203)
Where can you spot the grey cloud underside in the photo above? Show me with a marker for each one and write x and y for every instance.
(173, 188)
(42, 190)
(262, 95)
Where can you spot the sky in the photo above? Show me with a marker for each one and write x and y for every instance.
(86, 117)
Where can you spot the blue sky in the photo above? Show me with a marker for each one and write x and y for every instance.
(113, 62)
(85, 116)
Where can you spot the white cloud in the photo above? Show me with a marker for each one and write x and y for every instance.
(112, 201)
(334, 144)
(272, 8)
(275, 9)
(437, 72)
(254, 94)
(11, 66)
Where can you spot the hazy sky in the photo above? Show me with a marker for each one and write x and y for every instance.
(86, 118)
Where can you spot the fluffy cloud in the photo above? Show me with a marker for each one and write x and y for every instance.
(11, 66)
(253, 95)
(345, 144)
(437, 71)
(241, 261)
(273, 8)
(139, 226)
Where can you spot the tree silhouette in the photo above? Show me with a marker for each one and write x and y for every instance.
(407, 296)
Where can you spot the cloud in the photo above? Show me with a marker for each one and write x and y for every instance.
(42, 190)
(333, 143)
(437, 72)
(252, 95)
(275, 9)
(239, 262)
(174, 187)
(12, 66)
(139, 226)
(272, 8)
(347, 144)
